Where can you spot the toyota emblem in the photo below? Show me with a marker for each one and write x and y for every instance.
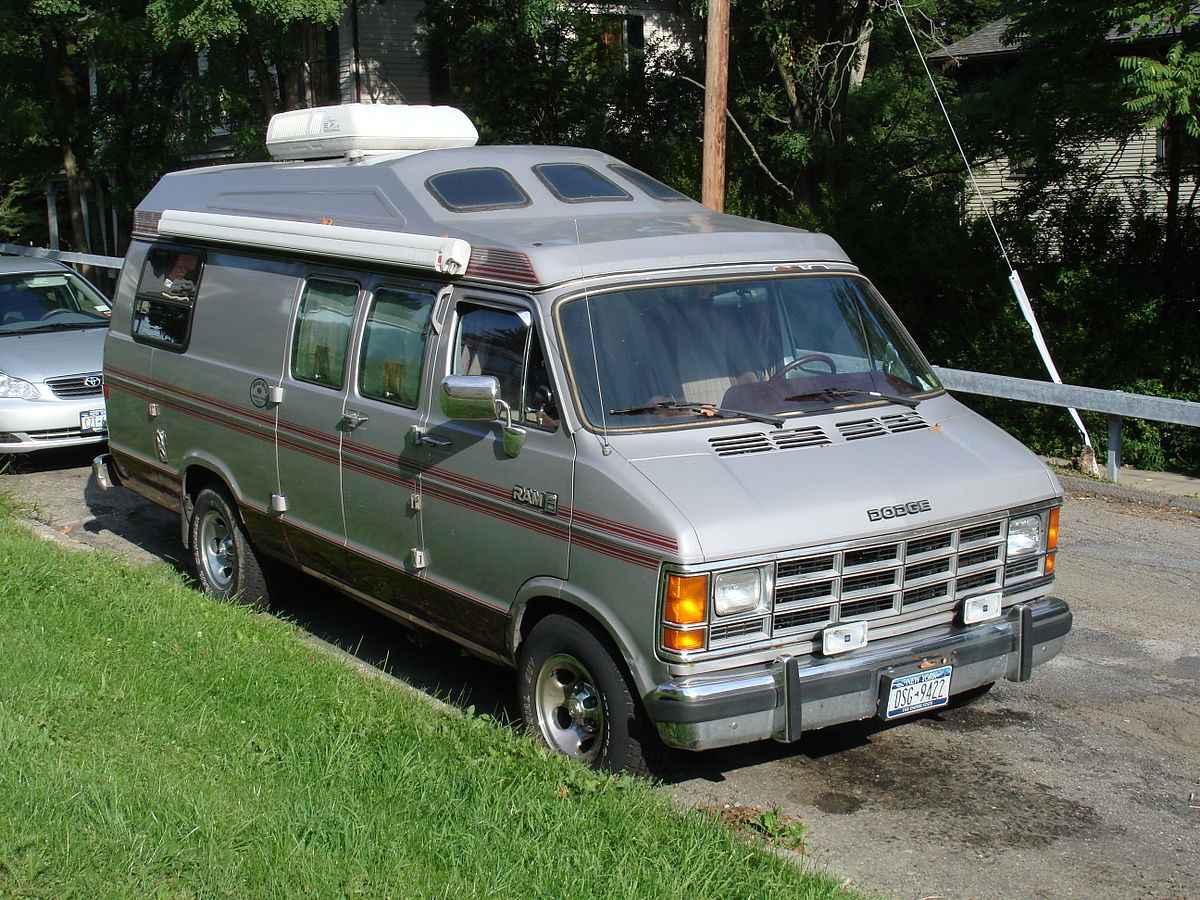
(93, 381)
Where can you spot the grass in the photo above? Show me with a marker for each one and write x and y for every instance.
(154, 743)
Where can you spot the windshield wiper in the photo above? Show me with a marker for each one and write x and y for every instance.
(63, 326)
(834, 393)
(701, 409)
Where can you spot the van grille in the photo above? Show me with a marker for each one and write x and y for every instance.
(901, 584)
(89, 384)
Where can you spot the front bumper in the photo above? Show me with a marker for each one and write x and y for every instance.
(27, 425)
(791, 694)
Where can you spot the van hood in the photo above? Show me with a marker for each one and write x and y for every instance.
(51, 354)
(953, 464)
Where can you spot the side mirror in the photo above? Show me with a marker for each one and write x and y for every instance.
(470, 397)
(477, 397)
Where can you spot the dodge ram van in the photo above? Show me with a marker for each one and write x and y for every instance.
(685, 472)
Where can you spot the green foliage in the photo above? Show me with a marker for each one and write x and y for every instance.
(1167, 88)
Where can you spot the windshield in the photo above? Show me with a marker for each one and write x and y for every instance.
(47, 301)
(765, 347)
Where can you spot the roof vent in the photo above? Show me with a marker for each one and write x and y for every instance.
(326, 132)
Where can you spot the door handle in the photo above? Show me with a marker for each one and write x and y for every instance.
(352, 419)
(421, 436)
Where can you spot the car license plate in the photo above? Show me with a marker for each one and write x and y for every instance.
(917, 692)
(93, 421)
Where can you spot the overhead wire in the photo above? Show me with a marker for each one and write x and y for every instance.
(1014, 277)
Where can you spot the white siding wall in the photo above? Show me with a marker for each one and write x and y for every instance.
(1129, 169)
(390, 53)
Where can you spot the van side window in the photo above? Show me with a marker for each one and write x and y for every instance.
(393, 346)
(166, 296)
(323, 331)
(502, 343)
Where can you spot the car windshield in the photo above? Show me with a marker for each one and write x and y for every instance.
(757, 348)
(48, 301)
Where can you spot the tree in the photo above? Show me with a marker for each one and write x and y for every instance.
(1166, 90)
(109, 92)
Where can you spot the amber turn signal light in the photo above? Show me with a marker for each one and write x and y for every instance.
(675, 639)
(687, 600)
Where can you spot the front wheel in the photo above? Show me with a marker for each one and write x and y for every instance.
(226, 563)
(576, 698)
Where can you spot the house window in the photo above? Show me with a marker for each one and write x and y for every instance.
(321, 84)
(1183, 144)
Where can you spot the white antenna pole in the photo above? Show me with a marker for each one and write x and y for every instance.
(1014, 279)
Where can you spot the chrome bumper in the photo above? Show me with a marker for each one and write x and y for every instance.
(792, 694)
(104, 470)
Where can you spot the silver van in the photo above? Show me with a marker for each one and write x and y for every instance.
(685, 472)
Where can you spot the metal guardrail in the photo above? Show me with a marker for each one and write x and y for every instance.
(113, 263)
(1116, 405)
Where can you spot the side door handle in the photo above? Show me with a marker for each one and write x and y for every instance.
(351, 419)
(421, 436)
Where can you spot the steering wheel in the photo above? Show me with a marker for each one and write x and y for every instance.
(57, 312)
(799, 363)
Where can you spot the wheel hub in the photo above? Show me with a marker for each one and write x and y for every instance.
(570, 708)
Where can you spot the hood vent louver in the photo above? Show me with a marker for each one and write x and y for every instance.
(812, 436)
(909, 421)
(861, 428)
(737, 444)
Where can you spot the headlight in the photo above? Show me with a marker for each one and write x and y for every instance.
(17, 388)
(740, 591)
(1024, 536)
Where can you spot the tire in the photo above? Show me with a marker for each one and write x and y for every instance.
(226, 564)
(576, 699)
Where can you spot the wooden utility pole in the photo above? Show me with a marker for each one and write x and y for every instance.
(716, 93)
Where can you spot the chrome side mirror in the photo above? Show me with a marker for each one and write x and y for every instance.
(477, 397)
(470, 397)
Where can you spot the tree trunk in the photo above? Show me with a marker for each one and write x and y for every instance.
(65, 118)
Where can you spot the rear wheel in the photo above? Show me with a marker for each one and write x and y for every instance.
(226, 563)
(576, 698)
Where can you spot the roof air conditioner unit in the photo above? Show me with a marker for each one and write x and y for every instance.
(325, 132)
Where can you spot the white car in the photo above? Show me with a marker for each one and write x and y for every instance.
(52, 328)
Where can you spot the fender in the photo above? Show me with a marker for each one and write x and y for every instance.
(597, 610)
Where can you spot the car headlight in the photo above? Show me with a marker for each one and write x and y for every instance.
(1024, 535)
(741, 590)
(17, 388)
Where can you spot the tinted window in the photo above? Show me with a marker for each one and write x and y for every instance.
(651, 186)
(322, 332)
(503, 343)
(575, 183)
(467, 189)
(764, 345)
(393, 347)
(166, 295)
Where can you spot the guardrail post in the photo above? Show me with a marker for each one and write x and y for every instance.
(1114, 448)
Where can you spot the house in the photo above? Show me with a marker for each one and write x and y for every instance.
(376, 53)
(1131, 166)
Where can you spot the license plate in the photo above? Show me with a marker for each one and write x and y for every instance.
(93, 421)
(917, 692)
